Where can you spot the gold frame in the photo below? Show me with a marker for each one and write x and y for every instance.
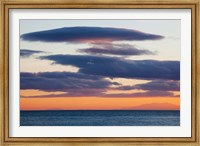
(146, 4)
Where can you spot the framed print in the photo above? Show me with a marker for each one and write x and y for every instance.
(104, 73)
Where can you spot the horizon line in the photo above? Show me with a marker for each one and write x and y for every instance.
(107, 110)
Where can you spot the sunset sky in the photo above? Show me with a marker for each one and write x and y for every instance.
(100, 64)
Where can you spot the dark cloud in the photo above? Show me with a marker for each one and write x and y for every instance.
(114, 67)
(116, 49)
(73, 84)
(144, 94)
(79, 85)
(88, 34)
(64, 81)
(28, 53)
(161, 85)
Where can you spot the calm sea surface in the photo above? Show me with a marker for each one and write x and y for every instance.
(100, 118)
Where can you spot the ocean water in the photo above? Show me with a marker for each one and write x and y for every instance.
(100, 118)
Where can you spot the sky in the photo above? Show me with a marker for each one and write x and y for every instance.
(100, 64)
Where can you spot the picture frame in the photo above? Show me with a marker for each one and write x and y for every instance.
(6, 5)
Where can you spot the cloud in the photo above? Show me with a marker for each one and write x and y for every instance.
(79, 85)
(62, 81)
(89, 34)
(27, 53)
(114, 67)
(161, 85)
(116, 49)
(143, 94)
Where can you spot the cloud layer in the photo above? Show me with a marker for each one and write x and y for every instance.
(159, 85)
(83, 85)
(143, 94)
(27, 53)
(114, 67)
(89, 34)
(74, 84)
(116, 49)
(61, 81)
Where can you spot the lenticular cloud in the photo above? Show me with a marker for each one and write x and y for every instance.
(88, 35)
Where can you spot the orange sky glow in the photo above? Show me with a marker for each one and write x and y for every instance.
(95, 103)
(98, 103)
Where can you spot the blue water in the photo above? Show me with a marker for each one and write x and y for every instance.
(100, 118)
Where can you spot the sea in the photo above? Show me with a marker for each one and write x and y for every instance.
(100, 118)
